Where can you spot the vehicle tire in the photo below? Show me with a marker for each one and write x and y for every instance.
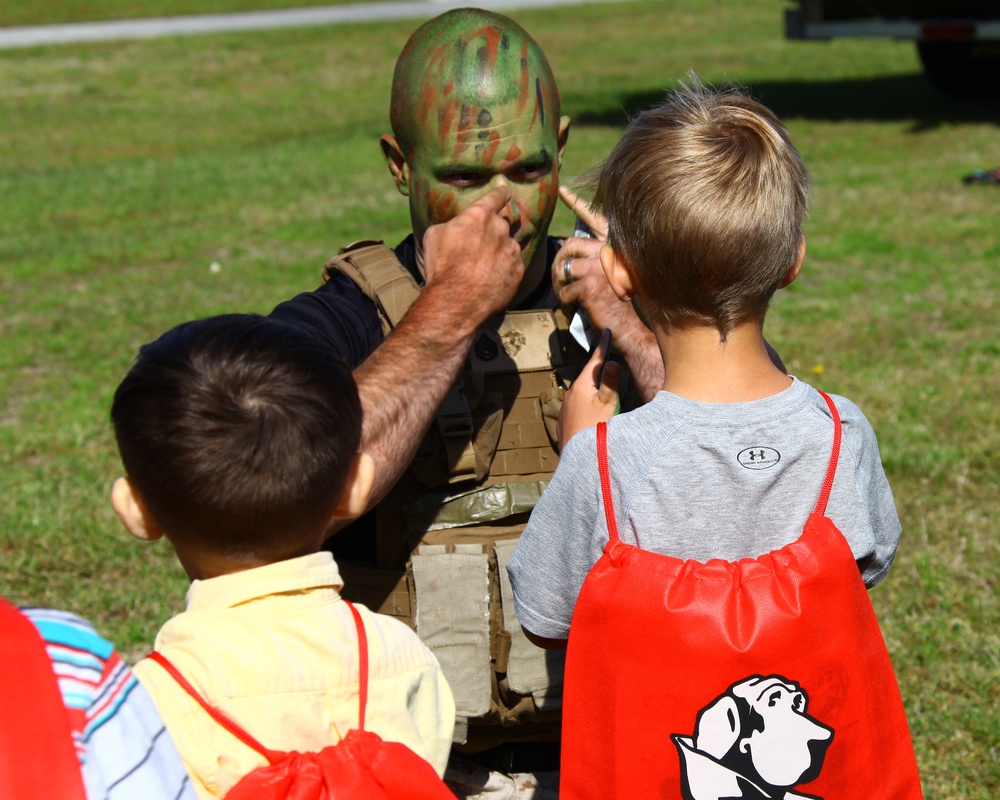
(962, 69)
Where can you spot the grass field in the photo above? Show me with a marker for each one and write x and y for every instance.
(49, 12)
(128, 169)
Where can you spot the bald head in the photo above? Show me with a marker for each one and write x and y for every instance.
(468, 58)
(475, 107)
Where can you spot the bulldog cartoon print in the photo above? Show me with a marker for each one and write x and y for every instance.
(755, 741)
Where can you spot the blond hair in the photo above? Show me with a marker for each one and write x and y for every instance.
(705, 197)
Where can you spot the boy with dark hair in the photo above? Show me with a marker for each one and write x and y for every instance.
(690, 541)
(254, 430)
(239, 436)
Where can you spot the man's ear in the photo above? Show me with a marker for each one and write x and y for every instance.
(397, 163)
(562, 137)
(796, 268)
(131, 510)
(354, 497)
(618, 272)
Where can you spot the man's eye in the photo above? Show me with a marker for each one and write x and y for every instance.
(464, 180)
(530, 174)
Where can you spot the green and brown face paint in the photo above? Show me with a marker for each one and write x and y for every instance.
(474, 106)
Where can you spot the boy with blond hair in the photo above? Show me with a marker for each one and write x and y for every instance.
(643, 554)
(239, 436)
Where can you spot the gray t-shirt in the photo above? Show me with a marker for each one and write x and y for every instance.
(700, 481)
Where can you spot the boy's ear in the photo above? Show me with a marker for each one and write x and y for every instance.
(618, 272)
(796, 268)
(396, 161)
(354, 498)
(131, 510)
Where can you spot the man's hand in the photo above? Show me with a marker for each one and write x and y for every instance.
(579, 280)
(578, 260)
(472, 263)
(593, 397)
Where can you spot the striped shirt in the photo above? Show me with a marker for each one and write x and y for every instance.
(125, 751)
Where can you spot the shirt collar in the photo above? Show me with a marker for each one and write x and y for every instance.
(314, 571)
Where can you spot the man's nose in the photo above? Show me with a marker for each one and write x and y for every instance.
(511, 210)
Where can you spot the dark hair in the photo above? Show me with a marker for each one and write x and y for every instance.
(705, 197)
(239, 433)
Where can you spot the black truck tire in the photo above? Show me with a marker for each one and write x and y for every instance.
(962, 69)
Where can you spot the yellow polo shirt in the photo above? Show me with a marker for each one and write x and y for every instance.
(275, 648)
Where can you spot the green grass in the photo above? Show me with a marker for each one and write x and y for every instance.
(50, 12)
(126, 169)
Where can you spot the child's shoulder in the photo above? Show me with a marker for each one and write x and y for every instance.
(857, 431)
(850, 412)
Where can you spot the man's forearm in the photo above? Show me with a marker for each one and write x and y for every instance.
(404, 382)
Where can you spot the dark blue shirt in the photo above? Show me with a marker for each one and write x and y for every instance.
(340, 314)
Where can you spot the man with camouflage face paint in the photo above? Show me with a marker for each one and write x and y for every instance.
(476, 145)
(476, 126)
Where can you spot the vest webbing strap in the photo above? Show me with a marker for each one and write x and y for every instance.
(378, 273)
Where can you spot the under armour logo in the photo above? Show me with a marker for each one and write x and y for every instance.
(758, 457)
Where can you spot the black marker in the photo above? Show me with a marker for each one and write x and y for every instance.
(605, 343)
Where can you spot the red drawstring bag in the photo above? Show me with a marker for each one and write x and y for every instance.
(361, 766)
(37, 758)
(761, 678)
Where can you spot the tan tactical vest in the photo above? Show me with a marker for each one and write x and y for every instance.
(447, 529)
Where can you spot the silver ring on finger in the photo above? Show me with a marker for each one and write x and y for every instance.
(567, 271)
